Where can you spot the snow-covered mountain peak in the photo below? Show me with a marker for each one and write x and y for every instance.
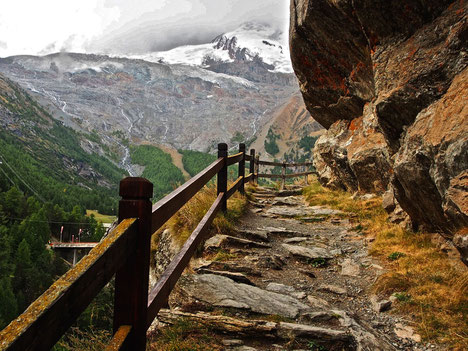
(248, 42)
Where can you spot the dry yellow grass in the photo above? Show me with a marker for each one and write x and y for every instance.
(187, 218)
(184, 335)
(431, 288)
(79, 340)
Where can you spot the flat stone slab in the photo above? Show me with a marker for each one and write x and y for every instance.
(220, 240)
(287, 201)
(280, 288)
(278, 231)
(287, 211)
(265, 194)
(317, 302)
(324, 211)
(224, 292)
(307, 252)
(257, 204)
(332, 289)
(406, 332)
(303, 330)
(233, 267)
(236, 276)
(261, 235)
(296, 239)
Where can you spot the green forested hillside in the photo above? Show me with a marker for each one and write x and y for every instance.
(195, 161)
(44, 158)
(159, 169)
(27, 267)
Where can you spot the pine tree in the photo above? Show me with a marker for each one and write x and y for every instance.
(8, 304)
(24, 280)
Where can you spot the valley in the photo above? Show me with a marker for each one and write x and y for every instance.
(233, 89)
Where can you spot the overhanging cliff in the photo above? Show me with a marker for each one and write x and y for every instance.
(389, 80)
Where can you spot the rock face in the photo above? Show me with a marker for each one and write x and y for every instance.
(221, 291)
(388, 79)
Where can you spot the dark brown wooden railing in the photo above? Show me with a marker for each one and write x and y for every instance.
(125, 253)
(283, 176)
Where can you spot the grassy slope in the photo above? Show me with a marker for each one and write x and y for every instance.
(195, 161)
(159, 169)
(429, 285)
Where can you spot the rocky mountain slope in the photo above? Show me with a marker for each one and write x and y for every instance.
(191, 97)
(389, 82)
(291, 122)
(46, 159)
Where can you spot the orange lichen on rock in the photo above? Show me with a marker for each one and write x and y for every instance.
(457, 191)
(355, 124)
(446, 119)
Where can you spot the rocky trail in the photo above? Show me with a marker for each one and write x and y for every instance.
(292, 277)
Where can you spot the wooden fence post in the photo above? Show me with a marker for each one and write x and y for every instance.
(131, 281)
(252, 164)
(257, 167)
(222, 175)
(283, 175)
(241, 169)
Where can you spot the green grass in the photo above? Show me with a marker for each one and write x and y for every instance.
(101, 217)
(395, 255)
(159, 169)
(195, 161)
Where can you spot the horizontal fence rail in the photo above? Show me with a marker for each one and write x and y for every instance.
(294, 175)
(270, 163)
(48, 317)
(169, 205)
(160, 292)
(125, 253)
(283, 176)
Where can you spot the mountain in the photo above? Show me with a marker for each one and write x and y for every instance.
(250, 42)
(53, 162)
(191, 97)
(291, 123)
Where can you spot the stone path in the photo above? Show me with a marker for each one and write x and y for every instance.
(293, 277)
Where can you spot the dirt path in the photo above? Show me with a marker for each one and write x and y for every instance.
(176, 159)
(293, 277)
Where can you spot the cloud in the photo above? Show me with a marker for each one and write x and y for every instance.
(125, 26)
(28, 27)
(180, 22)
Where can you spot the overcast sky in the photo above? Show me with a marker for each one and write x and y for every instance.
(125, 26)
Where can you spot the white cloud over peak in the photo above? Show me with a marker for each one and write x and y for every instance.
(125, 26)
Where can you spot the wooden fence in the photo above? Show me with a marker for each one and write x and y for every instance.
(283, 176)
(125, 253)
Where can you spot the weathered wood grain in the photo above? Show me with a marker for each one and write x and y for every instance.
(48, 317)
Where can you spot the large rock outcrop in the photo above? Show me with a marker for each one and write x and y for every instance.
(388, 79)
